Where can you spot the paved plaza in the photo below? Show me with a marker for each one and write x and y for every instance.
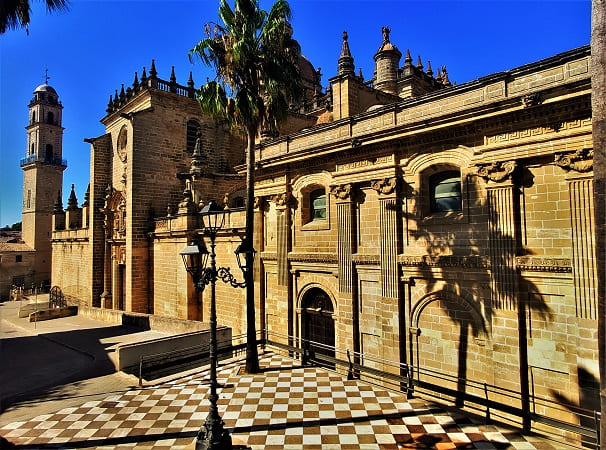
(285, 406)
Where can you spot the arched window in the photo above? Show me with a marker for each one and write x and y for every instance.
(317, 204)
(445, 191)
(50, 118)
(193, 127)
(49, 153)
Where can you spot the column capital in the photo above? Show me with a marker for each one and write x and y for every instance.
(259, 203)
(497, 171)
(282, 200)
(385, 186)
(579, 161)
(343, 192)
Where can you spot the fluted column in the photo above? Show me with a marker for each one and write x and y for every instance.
(283, 235)
(346, 234)
(258, 269)
(583, 247)
(584, 270)
(390, 242)
(501, 233)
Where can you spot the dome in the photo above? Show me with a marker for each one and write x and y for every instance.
(45, 88)
(306, 68)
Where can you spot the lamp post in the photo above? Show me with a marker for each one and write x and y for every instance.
(212, 435)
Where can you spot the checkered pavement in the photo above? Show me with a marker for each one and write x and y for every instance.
(285, 406)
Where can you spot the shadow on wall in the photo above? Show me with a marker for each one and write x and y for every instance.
(489, 246)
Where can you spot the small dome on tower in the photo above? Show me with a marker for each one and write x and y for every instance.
(45, 88)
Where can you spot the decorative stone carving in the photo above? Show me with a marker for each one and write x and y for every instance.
(497, 171)
(385, 186)
(533, 99)
(322, 258)
(281, 200)
(445, 261)
(259, 202)
(187, 205)
(342, 191)
(580, 161)
(535, 264)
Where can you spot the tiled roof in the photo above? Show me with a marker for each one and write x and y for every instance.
(6, 247)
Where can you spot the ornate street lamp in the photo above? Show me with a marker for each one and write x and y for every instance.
(212, 435)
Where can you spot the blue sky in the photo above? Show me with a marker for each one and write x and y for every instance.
(98, 45)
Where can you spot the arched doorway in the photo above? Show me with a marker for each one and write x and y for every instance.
(318, 324)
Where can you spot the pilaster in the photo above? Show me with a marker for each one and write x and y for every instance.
(283, 235)
(388, 214)
(500, 193)
(346, 234)
(584, 271)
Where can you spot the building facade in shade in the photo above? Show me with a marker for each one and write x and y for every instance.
(405, 218)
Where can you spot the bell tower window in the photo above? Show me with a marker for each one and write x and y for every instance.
(49, 153)
(50, 118)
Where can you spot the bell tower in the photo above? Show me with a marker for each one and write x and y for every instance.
(43, 168)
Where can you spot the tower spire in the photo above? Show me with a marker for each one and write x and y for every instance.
(346, 61)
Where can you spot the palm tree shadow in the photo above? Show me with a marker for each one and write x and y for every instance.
(481, 241)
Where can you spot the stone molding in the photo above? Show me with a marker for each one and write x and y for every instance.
(329, 258)
(579, 161)
(497, 171)
(536, 264)
(537, 131)
(269, 256)
(366, 260)
(473, 261)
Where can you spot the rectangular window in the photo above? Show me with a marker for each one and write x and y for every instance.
(19, 258)
(29, 199)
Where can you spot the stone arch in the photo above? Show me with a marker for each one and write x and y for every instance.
(316, 313)
(308, 287)
(448, 344)
(479, 324)
(458, 157)
(305, 182)
(301, 190)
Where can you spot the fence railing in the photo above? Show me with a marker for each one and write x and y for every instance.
(490, 400)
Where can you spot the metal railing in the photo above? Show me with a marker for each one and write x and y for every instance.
(40, 158)
(490, 400)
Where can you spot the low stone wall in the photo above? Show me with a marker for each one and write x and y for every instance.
(144, 321)
(170, 348)
(26, 310)
(53, 313)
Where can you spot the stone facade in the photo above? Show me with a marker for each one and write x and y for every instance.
(444, 228)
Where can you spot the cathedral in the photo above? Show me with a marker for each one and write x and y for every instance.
(441, 230)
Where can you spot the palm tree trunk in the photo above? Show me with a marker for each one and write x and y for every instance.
(252, 356)
(598, 94)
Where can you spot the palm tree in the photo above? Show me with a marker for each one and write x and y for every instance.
(16, 13)
(598, 88)
(257, 77)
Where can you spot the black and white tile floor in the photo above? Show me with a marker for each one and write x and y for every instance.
(285, 406)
